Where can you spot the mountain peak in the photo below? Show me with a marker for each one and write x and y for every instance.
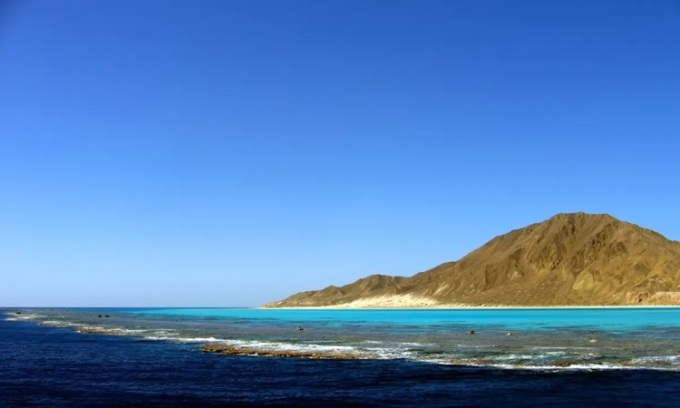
(581, 216)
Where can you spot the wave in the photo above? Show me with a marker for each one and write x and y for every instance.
(543, 356)
(19, 317)
(60, 323)
(128, 331)
(557, 366)
(183, 339)
(675, 359)
(284, 346)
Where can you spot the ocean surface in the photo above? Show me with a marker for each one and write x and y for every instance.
(629, 357)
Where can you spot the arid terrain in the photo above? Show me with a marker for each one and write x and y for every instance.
(574, 259)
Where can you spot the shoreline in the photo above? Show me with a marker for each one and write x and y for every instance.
(11, 311)
(409, 301)
(465, 307)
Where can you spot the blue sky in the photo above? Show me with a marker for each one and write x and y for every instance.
(223, 153)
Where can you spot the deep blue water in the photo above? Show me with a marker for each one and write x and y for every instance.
(44, 365)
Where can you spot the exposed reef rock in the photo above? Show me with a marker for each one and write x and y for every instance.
(97, 330)
(241, 351)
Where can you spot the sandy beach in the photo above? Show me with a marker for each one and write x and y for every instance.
(414, 302)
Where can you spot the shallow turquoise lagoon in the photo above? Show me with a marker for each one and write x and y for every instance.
(608, 319)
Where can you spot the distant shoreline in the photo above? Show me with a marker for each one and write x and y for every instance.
(463, 307)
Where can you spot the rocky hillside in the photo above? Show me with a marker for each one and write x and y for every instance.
(570, 259)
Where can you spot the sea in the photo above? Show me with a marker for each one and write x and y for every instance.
(133, 357)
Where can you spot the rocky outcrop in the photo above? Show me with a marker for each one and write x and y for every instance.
(99, 330)
(241, 351)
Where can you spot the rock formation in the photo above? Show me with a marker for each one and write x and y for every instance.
(245, 351)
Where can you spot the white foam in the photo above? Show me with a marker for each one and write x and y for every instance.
(281, 346)
(675, 359)
(554, 353)
(94, 328)
(589, 356)
(581, 366)
(128, 331)
(388, 352)
(516, 357)
(30, 316)
(510, 366)
(59, 323)
(168, 332)
(406, 344)
(192, 339)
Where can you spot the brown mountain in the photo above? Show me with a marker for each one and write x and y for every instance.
(570, 259)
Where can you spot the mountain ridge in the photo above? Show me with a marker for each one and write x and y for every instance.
(571, 259)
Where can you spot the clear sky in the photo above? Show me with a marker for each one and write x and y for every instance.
(226, 153)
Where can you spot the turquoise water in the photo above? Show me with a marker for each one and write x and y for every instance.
(607, 319)
(552, 339)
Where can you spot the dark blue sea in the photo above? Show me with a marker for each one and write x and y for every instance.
(151, 358)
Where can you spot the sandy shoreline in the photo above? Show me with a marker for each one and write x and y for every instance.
(408, 301)
(466, 307)
(376, 304)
